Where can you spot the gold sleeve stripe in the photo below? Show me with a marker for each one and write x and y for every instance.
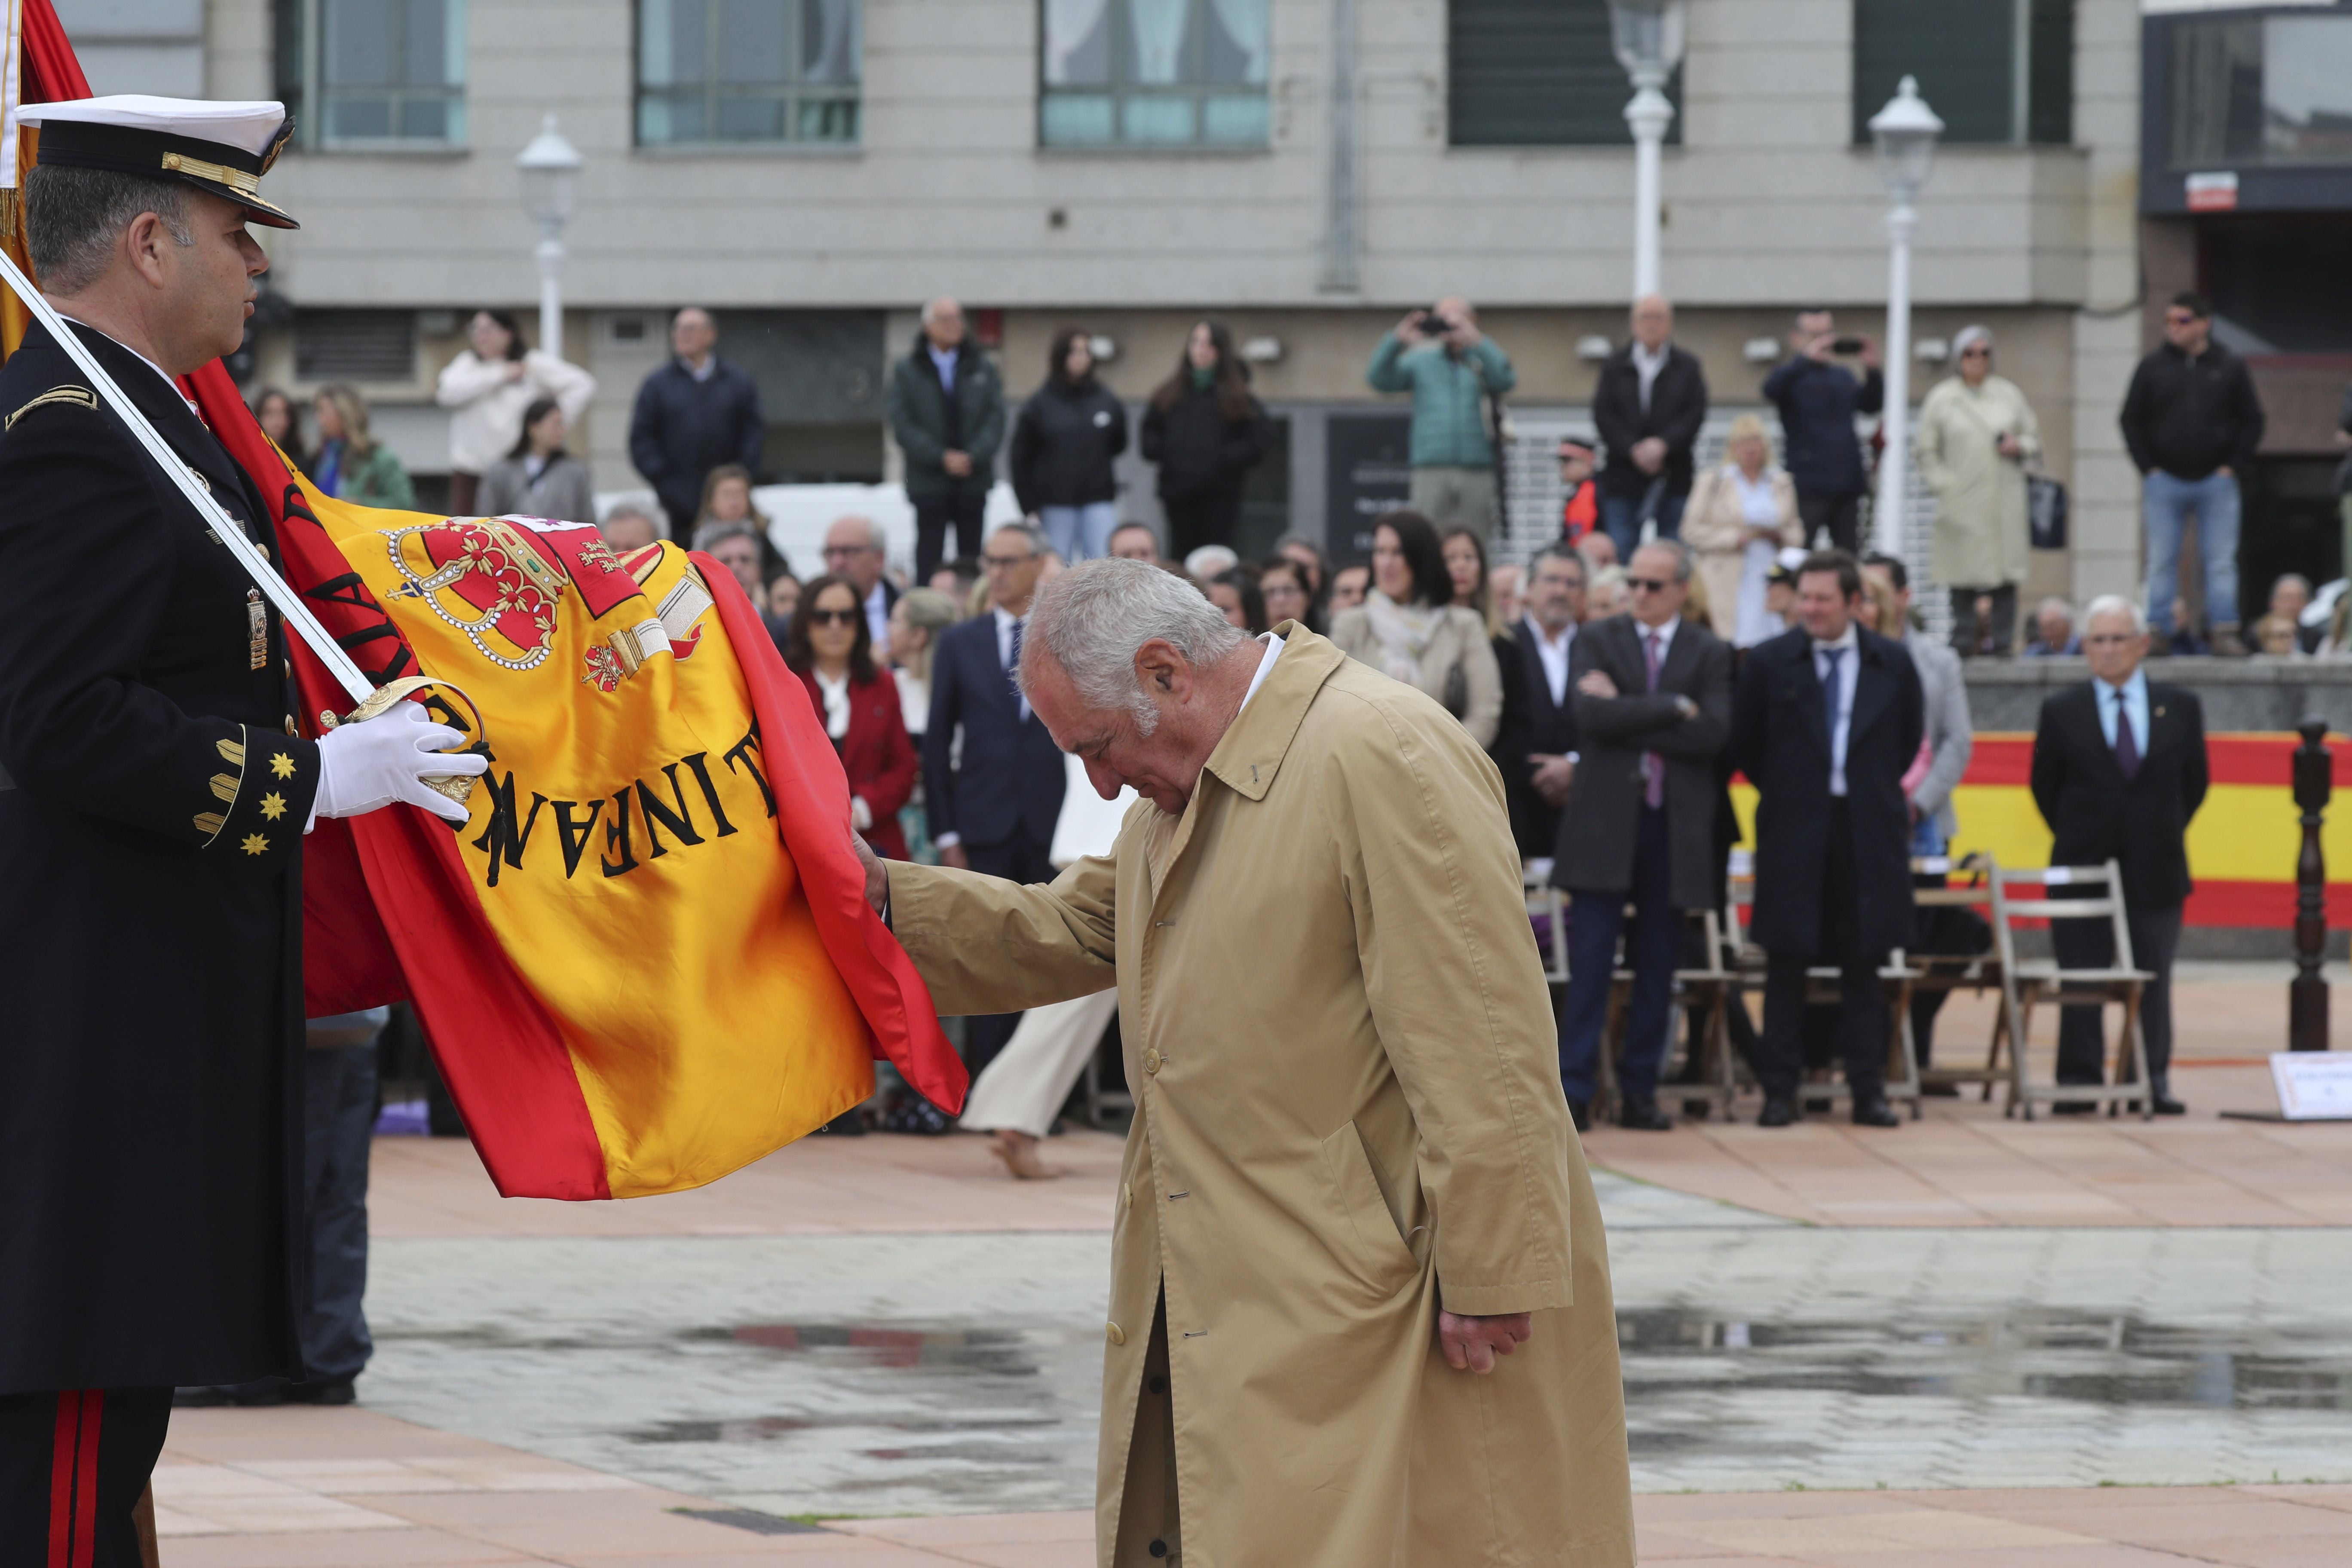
(210, 823)
(80, 396)
(225, 786)
(232, 753)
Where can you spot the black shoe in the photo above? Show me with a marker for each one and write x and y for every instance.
(849, 1124)
(1873, 1111)
(2168, 1106)
(1780, 1111)
(1643, 1116)
(264, 1392)
(1697, 1110)
(1817, 1105)
(919, 1116)
(334, 1391)
(1940, 1091)
(2075, 1108)
(1580, 1112)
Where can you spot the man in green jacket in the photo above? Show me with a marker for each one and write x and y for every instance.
(1439, 357)
(946, 406)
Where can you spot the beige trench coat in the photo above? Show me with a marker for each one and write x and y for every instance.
(1348, 1111)
(1714, 531)
(1461, 642)
(1981, 537)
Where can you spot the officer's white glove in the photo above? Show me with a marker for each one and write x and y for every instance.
(368, 765)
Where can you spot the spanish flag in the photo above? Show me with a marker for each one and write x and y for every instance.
(647, 959)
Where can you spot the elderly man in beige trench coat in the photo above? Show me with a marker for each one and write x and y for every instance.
(1360, 1308)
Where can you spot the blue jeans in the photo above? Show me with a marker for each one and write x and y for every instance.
(1620, 519)
(340, 1084)
(1593, 928)
(2164, 505)
(1080, 532)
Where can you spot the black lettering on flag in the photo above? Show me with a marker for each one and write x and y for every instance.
(743, 754)
(616, 832)
(679, 822)
(574, 834)
(501, 838)
(700, 764)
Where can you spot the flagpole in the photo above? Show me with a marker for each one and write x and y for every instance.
(225, 527)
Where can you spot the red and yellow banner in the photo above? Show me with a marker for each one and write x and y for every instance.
(2243, 844)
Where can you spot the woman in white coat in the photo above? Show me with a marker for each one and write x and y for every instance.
(488, 386)
(1975, 435)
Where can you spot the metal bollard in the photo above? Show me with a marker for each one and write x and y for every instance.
(2306, 1028)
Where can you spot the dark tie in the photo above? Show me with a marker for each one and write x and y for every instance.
(2127, 744)
(1012, 672)
(1654, 767)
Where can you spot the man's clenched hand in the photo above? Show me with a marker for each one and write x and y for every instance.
(1472, 1344)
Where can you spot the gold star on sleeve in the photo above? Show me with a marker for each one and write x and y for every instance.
(254, 844)
(282, 765)
(273, 806)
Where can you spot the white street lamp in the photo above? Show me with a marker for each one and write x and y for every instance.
(1648, 35)
(551, 187)
(1906, 131)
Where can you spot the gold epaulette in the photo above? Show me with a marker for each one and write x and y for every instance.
(80, 396)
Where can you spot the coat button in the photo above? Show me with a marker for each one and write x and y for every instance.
(1114, 1333)
(290, 725)
(1152, 1060)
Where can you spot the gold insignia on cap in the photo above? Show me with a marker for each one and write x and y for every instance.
(254, 844)
(273, 806)
(282, 765)
(237, 180)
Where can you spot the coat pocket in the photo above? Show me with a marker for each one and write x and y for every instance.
(1379, 1254)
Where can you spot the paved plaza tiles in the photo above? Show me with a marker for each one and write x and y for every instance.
(1971, 1342)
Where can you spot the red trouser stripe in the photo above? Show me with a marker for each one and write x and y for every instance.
(73, 1478)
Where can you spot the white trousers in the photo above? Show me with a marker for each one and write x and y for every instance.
(1027, 1083)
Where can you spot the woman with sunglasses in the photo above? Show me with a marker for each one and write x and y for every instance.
(1977, 434)
(831, 648)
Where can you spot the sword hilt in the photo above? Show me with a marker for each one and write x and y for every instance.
(458, 787)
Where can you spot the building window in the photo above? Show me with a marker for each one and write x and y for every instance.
(386, 73)
(747, 70)
(1154, 73)
(1538, 73)
(378, 346)
(2274, 89)
(1997, 71)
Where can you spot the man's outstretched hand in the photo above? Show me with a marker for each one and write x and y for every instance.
(878, 875)
(1472, 1344)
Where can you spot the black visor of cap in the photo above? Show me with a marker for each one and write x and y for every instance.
(227, 172)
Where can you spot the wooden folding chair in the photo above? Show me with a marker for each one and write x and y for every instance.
(2040, 981)
(1993, 969)
(1823, 988)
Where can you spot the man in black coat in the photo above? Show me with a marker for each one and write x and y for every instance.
(1653, 711)
(2119, 770)
(693, 414)
(154, 798)
(945, 402)
(994, 810)
(1828, 720)
(1818, 398)
(1537, 738)
(1648, 405)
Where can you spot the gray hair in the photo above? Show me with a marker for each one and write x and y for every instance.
(1680, 551)
(1560, 549)
(2116, 605)
(710, 534)
(74, 217)
(931, 307)
(1092, 618)
(2054, 601)
(1035, 536)
(1969, 337)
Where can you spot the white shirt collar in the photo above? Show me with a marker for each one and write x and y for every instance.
(706, 370)
(1651, 359)
(1847, 641)
(1264, 668)
(1543, 639)
(1665, 634)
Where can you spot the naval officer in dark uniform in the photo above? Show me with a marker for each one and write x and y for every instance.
(153, 809)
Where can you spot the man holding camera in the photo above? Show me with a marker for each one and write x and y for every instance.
(1439, 356)
(1818, 398)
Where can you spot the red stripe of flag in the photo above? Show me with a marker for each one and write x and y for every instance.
(93, 1410)
(2267, 760)
(61, 1478)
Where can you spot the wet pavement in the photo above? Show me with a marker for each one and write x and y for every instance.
(954, 1374)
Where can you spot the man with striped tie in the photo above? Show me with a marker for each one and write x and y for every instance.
(2119, 770)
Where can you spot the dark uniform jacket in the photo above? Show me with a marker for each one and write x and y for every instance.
(151, 905)
(1601, 822)
(2095, 816)
(1780, 740)
(1532, 723)
(1677, 408)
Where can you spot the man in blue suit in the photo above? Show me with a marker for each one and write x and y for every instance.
(993, 810)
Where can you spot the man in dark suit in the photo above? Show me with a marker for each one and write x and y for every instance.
(1654, 709)
(1828, 719)
(1537, 738)
(1648, 405)
(154, 798)
(2119, 770)
(994, 811)
(694, 414)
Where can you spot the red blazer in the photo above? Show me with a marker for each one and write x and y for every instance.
(876, 755)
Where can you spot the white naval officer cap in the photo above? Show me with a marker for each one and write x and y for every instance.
(221, 147)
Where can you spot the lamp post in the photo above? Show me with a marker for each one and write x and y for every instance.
(551, 186)
(1648, 35)
(1906, 131)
